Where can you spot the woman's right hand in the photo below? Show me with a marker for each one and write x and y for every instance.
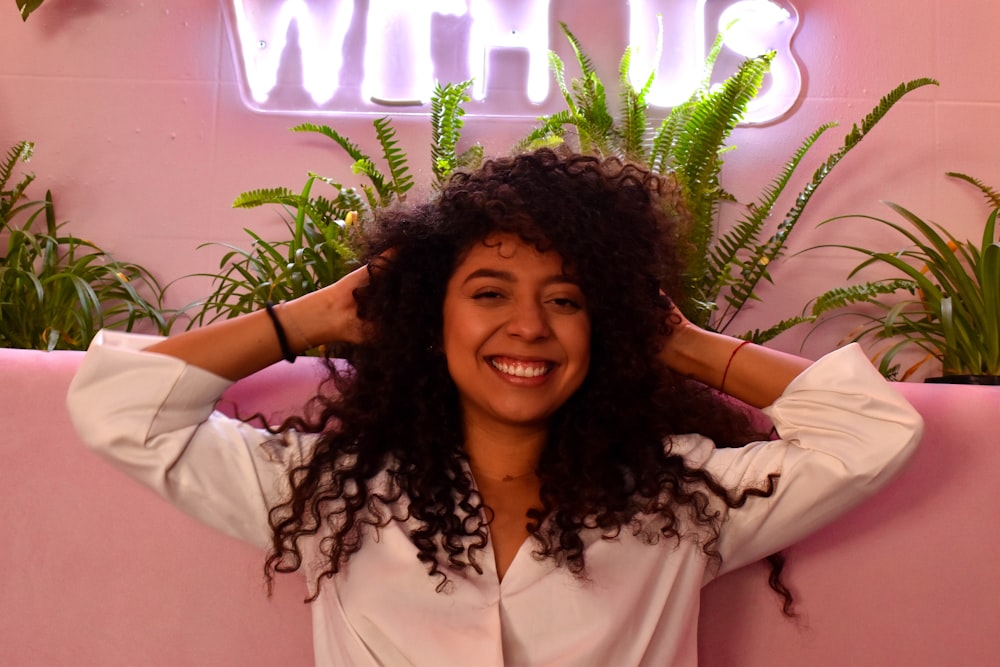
(326, 316)
(243, 345)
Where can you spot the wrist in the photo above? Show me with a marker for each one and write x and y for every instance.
(290, 316)
(685, 348)
(702, 355)
(325, 316)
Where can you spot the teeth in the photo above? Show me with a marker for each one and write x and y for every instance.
(519, 369)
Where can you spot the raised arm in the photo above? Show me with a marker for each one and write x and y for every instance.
(238, 347)
(153, 416)
(751, 373)
(843, 432)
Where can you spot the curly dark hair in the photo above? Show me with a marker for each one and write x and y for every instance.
(394, 411)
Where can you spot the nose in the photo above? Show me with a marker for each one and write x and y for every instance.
(528, 320)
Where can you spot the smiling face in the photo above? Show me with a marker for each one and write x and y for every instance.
(516, 334)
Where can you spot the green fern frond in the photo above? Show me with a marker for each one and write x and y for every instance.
(992, 196)
(586, 103)
(762, 336)
(262, 196)
(446, 131)
(869, 292)
(371, 196)
(399, 178)
(552, 129)
(594, 121)
(709, 67)
(378, 192)
(666, 152)
(582, 59)
(349, 147)
(558, 69)
(742, 238)
(633, 111)
(890, 99)
(662, 153)
(347, 200)
(697, 148)
(471, 157)
(713, 118)
(19, 152)
(772, 249)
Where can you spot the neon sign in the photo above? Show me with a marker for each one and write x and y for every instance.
(321, 57)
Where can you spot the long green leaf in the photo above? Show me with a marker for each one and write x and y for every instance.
(756, 267)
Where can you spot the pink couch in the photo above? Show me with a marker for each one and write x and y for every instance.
(98, 571)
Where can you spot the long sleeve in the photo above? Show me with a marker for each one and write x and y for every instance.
(843, 433)
(153, 417)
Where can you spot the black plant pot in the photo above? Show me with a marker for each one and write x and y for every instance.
(966, 379)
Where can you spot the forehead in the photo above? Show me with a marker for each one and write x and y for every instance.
(507, 249)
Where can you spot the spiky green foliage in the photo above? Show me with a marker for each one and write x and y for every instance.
(723, 270)
(850, 295)
(698, 131)
(320, 247)
(20, 152)
(992, 196)
(382, 188)
(725, 259)
(633, 125)
(446, 132)
(317, 252)
(950, 305)
(676, 133)
(755, 264)
(57, 291)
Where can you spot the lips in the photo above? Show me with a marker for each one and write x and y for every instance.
(521, 368)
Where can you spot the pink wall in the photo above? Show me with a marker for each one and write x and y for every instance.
(142, 136)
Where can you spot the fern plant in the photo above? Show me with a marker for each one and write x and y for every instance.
(946, 302)
(447, 121)
(56, 290)
(321, 246)
(722, 271)
(739, 261)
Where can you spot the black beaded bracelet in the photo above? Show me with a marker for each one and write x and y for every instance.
(279, 331)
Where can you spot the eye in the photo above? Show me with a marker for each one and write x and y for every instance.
(566, 304)
(487, 295)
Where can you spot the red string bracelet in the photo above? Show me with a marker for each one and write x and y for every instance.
(725, 373)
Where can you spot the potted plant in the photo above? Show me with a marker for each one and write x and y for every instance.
(57, 291)
(946, 301)
(723, 270)
(320, 247)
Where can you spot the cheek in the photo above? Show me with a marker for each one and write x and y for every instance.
(581, 340)
(579, 350)
(460, 335)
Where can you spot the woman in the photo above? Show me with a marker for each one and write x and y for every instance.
(506, 472)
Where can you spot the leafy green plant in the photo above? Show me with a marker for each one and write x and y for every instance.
(320, 246)
(723, 270)
(950, 305)
(56, 290)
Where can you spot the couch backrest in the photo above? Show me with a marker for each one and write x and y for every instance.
(98, 571)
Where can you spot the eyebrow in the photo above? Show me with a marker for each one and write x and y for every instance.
(508, 276)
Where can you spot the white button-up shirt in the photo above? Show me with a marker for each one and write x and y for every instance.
(843, 432)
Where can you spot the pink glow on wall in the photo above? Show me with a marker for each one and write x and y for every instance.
(676, 43)
(303, 58)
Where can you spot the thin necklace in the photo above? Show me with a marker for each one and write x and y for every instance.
(505, 478)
